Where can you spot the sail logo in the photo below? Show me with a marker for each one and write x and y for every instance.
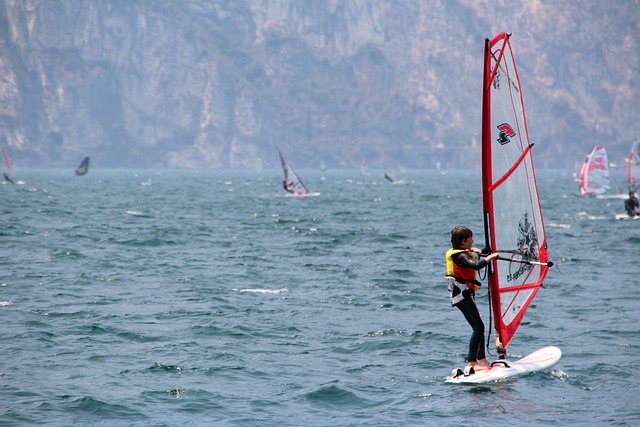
(496, 79)
(505, 134)
(527, 243)
(526, 247)
(598, 163)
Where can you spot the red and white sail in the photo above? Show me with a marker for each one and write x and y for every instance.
(633, 167)
(513, 219)
(594, 174)
(6, 159)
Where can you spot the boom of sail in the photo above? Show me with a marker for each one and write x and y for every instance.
(594, 174)
(513, 219)
(292, 183)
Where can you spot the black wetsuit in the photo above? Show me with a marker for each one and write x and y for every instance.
(630, 206)
(469, 309)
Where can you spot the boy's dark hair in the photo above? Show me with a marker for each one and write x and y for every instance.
(458, 234)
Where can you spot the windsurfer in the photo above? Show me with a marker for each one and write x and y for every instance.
(631, 204)
(462, 283)
(288, 186)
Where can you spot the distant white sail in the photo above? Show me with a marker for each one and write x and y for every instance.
(364, 169)
(594, 174)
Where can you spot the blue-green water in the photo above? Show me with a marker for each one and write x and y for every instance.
(168, 297)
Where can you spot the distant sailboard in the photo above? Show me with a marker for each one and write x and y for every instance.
(292, 183)
(620, 216)
(513, 220)
(594, 174)
(633, 177)
(84, 167)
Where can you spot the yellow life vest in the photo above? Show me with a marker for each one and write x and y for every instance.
(453, 269)
(459, 278)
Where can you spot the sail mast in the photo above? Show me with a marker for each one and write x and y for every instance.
(487, 201)
(486, 145)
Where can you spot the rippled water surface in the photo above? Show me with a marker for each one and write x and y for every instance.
(210, 298)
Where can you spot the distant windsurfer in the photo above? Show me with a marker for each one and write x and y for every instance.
(288, 186)
(8, 178)
(631, 204)
(462, 284)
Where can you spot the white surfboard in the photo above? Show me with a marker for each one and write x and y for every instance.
(625, 216)
(539, 360)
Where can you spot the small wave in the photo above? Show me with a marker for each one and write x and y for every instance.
(61, 253)
(263, 291)
(5, 303)
(557, 225)
(137, 214)
(612, 196)
(557, 373)
(151, 242)
(385, 332)
(159, 367)
(104, 410)
(586, 215)
(334, 395)
(177, 392)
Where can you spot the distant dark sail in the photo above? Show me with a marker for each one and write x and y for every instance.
(84, 167)
(292, 183)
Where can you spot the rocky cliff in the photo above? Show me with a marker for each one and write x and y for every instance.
(195, 83)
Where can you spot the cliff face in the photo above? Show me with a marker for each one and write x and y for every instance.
(197, 83)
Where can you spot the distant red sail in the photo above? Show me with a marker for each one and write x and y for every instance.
(633, 167)
(6, 159)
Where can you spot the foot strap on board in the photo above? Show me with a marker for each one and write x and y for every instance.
(468, 370)
(500, 363)
(457, 373)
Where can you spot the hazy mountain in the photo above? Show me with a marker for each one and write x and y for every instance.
(153, 83)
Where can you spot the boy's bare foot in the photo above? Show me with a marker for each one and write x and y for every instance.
(482, 364)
